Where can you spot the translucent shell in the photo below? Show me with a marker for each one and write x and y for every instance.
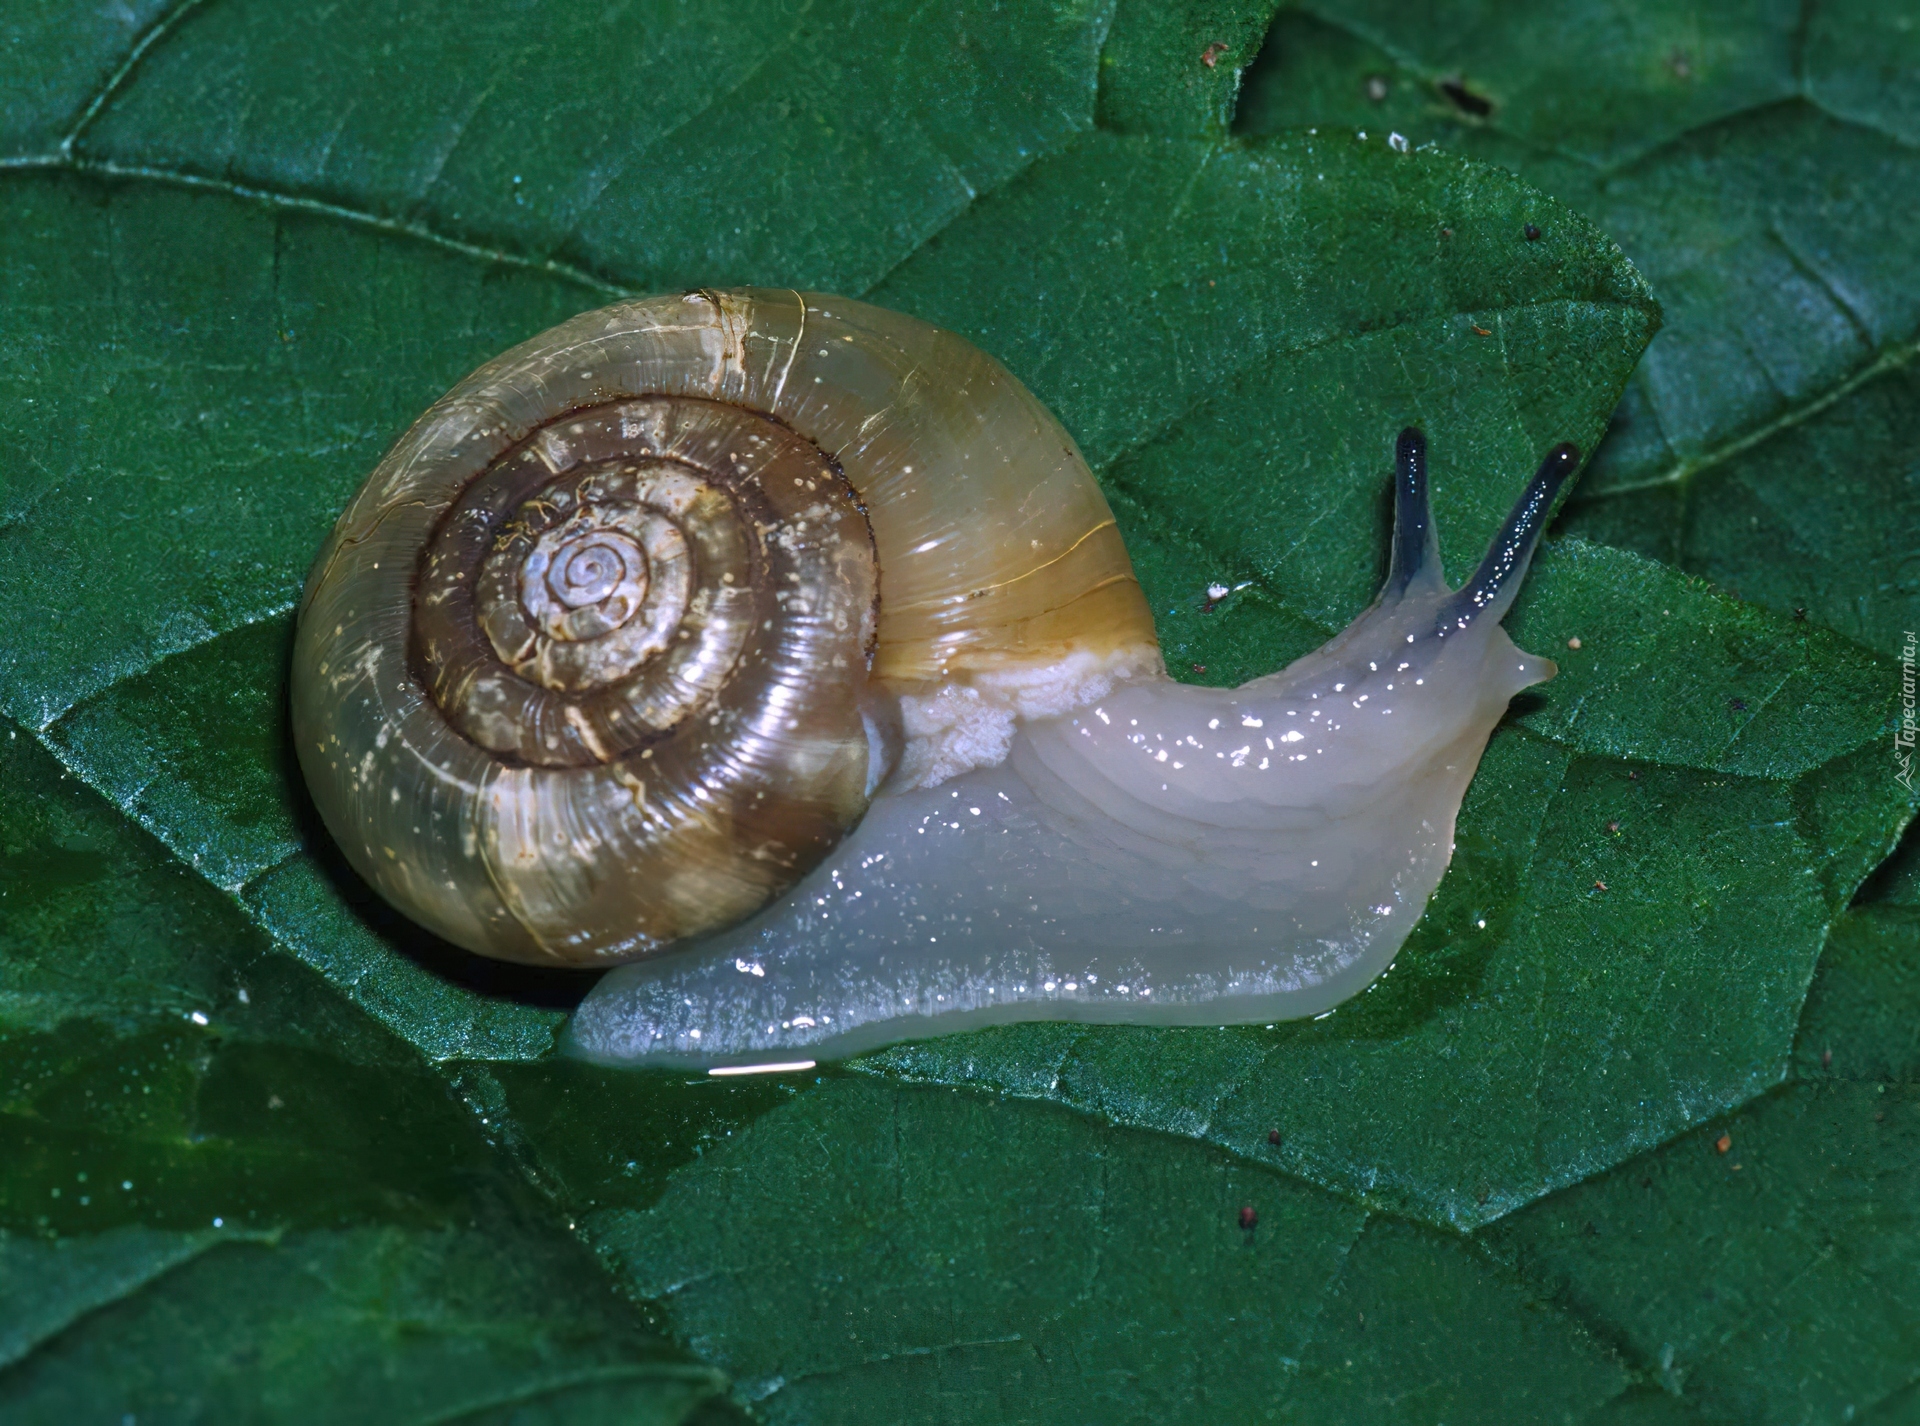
(585, 666)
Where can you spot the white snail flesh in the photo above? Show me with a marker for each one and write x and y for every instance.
(785, 648)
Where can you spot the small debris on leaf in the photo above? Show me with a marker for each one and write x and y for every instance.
(1574, 642)
(1211, 56)
(1465, 100)
(1532, 232)
(1249, 1220)
(1273, 1137)
(1723, 1143)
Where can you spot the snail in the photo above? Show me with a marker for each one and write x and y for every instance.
(785, 649)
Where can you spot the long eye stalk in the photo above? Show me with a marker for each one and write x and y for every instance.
(1494, 585)
(1416, 546)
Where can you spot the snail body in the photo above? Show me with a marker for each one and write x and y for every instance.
(797, 631)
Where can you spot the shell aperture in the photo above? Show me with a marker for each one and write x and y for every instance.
(786, 648)
(1163, 854)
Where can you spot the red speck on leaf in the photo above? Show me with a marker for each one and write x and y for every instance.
(1213, 52)
(1599, 886)
(1273, 1137)
(1723, 1143)
(1249, 1219)
(1480, 331)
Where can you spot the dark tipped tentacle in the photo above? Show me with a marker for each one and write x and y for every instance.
(1494, 585)
(1416, 547)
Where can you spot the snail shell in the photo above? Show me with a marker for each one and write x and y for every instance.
(602, 656)
(799, 627)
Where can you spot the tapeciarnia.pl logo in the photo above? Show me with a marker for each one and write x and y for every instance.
(1903, 733)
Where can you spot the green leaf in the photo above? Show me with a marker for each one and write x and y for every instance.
(664, 142)
(1761, 165)
(1860, 1020)
(1118, 1285)
(61, 61)
(484, 1324)
(225, 1187)
(1773, 1278)
(244, 244)
(1175, 68)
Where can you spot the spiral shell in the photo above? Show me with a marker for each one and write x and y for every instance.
(590, 663)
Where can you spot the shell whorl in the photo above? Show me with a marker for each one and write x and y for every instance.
(601, 655)
(601, 584)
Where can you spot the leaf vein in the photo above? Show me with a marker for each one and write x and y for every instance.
(110, 88)
(1682, 472)
(292, 202)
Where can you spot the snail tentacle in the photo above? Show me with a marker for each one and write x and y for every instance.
(1495, 584)
(1416, 544)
